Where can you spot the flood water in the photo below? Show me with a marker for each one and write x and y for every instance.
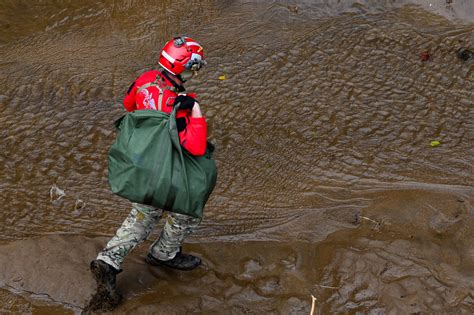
(328, 185)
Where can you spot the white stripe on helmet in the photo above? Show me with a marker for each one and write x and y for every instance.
(168, 57)
(192, 44)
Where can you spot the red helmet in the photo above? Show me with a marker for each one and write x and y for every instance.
(182, 53)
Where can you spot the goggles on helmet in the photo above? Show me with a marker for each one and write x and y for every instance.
(195, 63)
(192, 67)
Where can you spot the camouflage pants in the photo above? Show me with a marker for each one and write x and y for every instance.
(136, 228)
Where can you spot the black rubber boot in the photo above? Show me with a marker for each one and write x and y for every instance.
(106, 298)
(180, 261)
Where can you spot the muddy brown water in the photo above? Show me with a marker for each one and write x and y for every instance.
(328, 185)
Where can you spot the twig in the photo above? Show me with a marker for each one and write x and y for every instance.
(327, 287)
(313, 306)
(369, 219)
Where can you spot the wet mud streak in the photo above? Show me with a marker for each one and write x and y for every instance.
(100, 302)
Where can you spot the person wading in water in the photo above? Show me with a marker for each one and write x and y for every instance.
(160, 90)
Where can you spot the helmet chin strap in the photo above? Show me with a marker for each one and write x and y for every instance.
(181, 78)
(179, 87)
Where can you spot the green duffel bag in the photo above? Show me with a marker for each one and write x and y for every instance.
(148, 165)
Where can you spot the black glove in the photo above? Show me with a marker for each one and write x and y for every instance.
(187, 102)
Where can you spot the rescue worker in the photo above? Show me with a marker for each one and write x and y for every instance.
(162, 89)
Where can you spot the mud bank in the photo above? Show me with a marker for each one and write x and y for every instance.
(403, 253)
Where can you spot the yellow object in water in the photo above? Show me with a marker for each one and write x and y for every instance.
(435, 143)
(222, 77)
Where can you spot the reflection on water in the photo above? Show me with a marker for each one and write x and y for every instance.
(325, 116)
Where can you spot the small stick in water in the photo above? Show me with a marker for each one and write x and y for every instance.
(313, 306)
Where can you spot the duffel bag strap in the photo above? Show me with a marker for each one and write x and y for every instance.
(159, 85)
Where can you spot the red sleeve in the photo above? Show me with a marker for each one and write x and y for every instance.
(129, 100)
(194, 137)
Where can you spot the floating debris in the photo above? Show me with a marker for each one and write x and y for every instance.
(222, 77)
(56, 193)
(464, 54)
(79, 205)
(435, 143)
(293, 8)
(425, 56)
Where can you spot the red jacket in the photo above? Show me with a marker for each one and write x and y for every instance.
(143, 95)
